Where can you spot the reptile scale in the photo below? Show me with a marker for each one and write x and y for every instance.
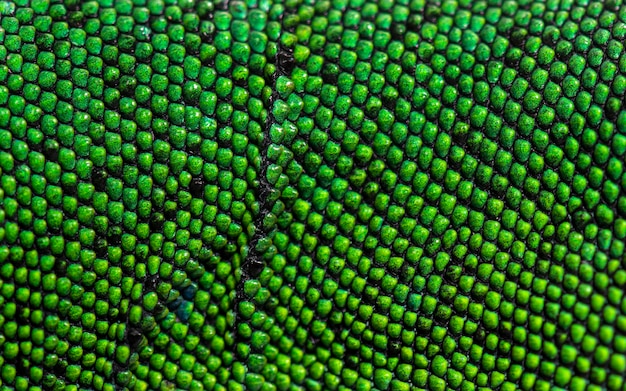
(273, 195)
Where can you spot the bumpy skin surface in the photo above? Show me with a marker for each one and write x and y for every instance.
(312, 195)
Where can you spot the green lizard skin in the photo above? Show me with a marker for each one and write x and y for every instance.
(312, 195)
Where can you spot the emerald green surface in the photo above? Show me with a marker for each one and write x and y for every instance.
(312, 195)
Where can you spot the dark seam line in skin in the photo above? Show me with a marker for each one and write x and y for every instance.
(252, 263)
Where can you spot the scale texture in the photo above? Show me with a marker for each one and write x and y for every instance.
(312, 195)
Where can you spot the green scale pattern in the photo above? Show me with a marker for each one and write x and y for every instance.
(312, 195)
